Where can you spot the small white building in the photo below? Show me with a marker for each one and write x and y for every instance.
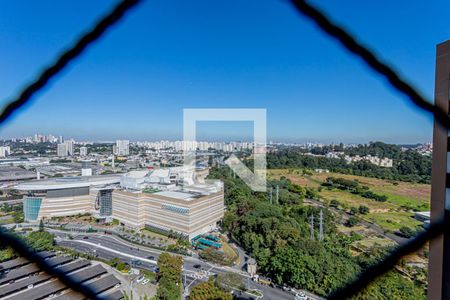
(5, 151)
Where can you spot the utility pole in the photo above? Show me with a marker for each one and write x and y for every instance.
(277, 194)
(321, 226)
(270, 195)
(312, 226)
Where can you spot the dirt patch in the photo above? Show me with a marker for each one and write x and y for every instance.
(381, 210)
(420, 191)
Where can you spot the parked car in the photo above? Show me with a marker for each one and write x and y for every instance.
(145, 281)
(140, 279)
(301, 296)
(197, 266)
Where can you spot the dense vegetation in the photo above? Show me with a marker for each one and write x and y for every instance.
(353, 187)
(16, 211)
(408, 165)
(37, 240)
(215, 256)
(209, 290)
(169, 276)
(278, 237)
(218, 288)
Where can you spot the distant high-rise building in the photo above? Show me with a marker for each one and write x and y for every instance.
(5, 151)
(83, 151)
(62, 150)
(122, 147)
(61, 139)
(70, 144)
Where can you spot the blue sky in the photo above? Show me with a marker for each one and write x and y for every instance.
(170, 55)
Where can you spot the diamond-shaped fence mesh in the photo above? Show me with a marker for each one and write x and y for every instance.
(324, 23)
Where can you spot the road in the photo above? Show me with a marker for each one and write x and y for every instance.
(107, 247)
(13, 201)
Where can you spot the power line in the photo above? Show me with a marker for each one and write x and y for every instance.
(277, 195)
(270, 195)
(321, 226)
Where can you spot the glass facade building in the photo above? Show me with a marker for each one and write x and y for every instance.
(105, 202)
(31, 207)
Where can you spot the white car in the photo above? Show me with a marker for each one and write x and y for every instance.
(301, 296)
(145, 281)
(140, 279)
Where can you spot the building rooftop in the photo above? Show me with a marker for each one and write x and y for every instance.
(136, 174)
(15, 173)
(178, 195)
(18, 284)
(68, 182)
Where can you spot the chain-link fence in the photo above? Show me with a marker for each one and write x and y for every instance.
(324, 23)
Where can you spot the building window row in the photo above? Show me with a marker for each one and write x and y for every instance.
(176, 209)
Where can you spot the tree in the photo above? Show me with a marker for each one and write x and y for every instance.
(18, 216)
(215, 256)
(407, 232)
(114, 262)
(170, 266)
(7, 253)
(208, 291)
(353, 210)
(230, 281)
(352, 221)
(392, 286)
(364, 210)
(40, 240)
(41, 226)
(122, 267)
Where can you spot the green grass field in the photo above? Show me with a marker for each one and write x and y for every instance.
(393, 221)
(403, 197)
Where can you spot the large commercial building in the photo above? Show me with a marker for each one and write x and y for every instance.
(189, 211)
(164, 200)
(64, 196)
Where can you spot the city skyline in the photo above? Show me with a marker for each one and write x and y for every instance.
(264, 58)
(58, 139)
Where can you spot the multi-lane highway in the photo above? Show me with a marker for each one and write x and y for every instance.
(194, 269)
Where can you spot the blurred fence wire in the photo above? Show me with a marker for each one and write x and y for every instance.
(325, 24)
